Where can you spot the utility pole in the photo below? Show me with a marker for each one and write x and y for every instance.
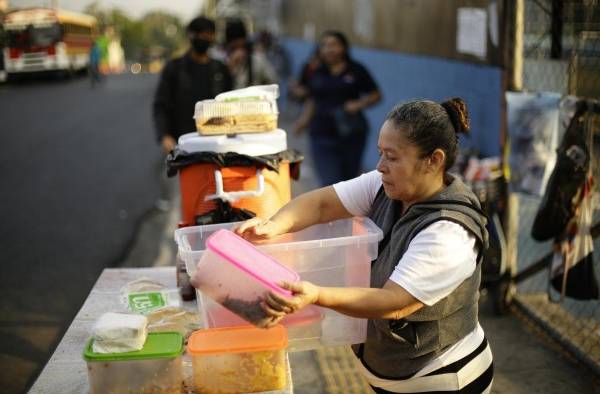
(512, 80)
(556, 29)
(516, 29)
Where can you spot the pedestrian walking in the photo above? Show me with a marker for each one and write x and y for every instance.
(186, 80)
(248, 66)
(94, 65)
(339, 90)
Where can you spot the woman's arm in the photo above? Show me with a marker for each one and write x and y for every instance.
(364, 102)
(391, 302)
(308, 111)
(318, 206)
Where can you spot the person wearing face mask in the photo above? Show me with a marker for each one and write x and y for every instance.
(186, 80)
(248, 66)
(423, 332)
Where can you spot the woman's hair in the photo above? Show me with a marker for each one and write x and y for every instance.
(341, 38)
(430, 126)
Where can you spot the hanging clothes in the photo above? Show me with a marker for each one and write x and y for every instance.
(572, 270)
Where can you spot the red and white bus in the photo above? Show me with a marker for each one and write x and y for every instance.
(42, 39)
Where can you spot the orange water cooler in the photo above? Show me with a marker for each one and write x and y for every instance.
(234, 177)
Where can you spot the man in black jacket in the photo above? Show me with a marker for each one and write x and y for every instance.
(186, 80)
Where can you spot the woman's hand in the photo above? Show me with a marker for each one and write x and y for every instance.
(257, 229)
(168, 143)
(353, 106)
(278, 306)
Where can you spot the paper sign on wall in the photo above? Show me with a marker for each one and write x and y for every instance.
(471, 32)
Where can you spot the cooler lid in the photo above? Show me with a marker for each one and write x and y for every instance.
(249, 259)
(157, 345)
(237, 340)
(251, 144)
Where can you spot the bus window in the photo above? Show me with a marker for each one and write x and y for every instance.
(45, 36)
(34, 36)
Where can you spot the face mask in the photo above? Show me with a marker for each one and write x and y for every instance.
(200, 45)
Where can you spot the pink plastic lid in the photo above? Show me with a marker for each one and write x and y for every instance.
(249, 259)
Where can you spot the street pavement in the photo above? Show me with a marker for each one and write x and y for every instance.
(79, 171)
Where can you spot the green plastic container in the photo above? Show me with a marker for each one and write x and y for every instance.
(156, 368)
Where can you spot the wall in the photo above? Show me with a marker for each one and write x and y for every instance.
(405, 76)
(420, 27)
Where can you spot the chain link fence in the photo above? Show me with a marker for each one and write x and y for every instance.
(561, 56)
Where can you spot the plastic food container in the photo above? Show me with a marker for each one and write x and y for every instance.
(333, 254)
(303, 327)
(246, 116)
(239, 359)
(156, 368)
(237, 275)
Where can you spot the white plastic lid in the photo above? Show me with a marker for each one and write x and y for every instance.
(252, 144)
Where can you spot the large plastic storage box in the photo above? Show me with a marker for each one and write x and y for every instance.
(334, 254)
(239, 359)
(156, 368)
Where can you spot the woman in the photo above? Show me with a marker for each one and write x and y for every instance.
(423, 332)
(340, 89)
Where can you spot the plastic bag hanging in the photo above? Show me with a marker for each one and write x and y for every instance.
(572, 270)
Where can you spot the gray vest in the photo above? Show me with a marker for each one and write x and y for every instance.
(397, 349)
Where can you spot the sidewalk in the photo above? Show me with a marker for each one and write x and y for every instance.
(525, 360)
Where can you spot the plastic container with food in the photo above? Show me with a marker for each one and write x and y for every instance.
(156, 368)
(239, 359)
(237, 275)
(303, 327)
(231, 117)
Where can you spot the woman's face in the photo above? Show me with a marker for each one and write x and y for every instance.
(403, 169)
(332, 50)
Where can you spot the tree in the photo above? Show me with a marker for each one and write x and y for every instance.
(156, 34)
(163, 33)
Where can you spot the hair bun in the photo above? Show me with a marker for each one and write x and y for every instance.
(458, 114)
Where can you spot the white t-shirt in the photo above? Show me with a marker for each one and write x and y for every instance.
(437, 261)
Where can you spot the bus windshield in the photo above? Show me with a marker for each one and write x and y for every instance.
(34, 36)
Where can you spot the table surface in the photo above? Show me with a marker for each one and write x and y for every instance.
(66, 371)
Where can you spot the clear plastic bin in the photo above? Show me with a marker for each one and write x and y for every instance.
(223, 117)
(239, 359)
(157, 368)
(337, 254)
(237, 275)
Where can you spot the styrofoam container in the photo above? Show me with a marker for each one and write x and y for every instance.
(242, 359)
(258, 144)
(336, 254)
(237, 275)
(156, 368)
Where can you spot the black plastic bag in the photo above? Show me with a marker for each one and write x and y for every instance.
(558, 205)
(224, 213)
(178, 159)
(572, 268)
